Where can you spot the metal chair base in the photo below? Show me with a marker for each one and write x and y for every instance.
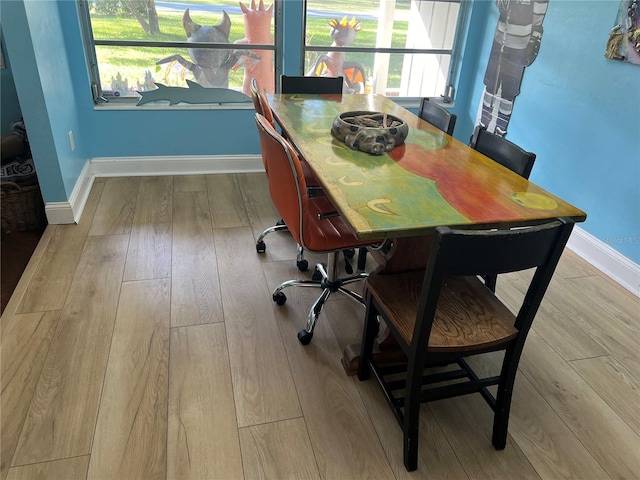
(329, 283)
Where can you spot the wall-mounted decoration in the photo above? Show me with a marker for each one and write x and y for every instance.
(516, 43)
(624, 37)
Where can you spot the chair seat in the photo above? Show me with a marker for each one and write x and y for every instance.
(328, 234)
(469, 316)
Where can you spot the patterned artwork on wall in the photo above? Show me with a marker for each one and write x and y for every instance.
(624, 37)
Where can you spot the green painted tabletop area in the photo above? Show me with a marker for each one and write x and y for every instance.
(432, 180)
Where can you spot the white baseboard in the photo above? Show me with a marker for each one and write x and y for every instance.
(62, 213)
(611, 262)
(187, 165)
(59, 213)
(595, 251)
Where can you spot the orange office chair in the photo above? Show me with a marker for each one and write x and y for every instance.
(262, 107)
(260, 101)
(307, 221)
(291, 84)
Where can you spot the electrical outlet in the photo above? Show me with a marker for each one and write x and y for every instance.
(71, 141)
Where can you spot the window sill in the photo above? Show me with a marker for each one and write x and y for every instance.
(124, 105)
(408, 103)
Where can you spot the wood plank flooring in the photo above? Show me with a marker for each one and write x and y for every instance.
(143, 343)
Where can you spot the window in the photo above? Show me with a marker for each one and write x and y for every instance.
(132, 45)
(404, 48)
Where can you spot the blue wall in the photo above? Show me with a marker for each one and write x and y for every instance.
(35, 47)
(578, 111)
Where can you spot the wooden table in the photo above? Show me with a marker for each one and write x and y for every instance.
(432, 180)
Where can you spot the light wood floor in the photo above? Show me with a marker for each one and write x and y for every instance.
(143, 343)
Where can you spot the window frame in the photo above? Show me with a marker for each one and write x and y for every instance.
(447, 98)
(102, 97)
(455, 52)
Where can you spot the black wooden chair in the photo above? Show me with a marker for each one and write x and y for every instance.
(437, 116)
(303, 84)
(501, 150)
(443, 314)
(507, 154)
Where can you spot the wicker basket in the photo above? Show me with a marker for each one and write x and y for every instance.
(22, 208)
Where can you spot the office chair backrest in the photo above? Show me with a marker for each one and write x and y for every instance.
(267, 113)
(287, 186)
(503, 151)
(260, 102)
(437, 116)
(320, 85)
(253, 86)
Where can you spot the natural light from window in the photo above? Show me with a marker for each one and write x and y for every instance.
(393, 47)
(398, 48)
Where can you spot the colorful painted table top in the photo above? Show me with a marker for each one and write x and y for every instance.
(432, 180)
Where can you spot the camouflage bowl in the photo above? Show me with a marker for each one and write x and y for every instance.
(371, 132)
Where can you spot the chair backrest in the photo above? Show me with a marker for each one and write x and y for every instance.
(253, 86)
(320, 85)
(437, 116)
(480, 253)
(260, 102)
(287, 185)
(503, 151)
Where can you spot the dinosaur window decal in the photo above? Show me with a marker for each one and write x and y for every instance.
(194, 53)
(403, 49)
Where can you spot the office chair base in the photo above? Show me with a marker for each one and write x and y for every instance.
(305, 337)
(329, 283)
(280, 226)
(260, 245)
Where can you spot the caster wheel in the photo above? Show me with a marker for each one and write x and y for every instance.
(261, 247)
(303, 265)
(280, 298)
(304, 337)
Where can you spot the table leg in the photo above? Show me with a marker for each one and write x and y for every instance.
(407, 254)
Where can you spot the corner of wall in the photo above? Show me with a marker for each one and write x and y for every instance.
(62, 213)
